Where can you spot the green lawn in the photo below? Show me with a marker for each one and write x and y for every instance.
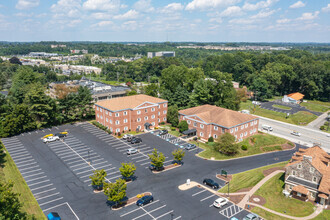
(10, 172)
(300, 118)
(263, 143)
(316, 106)
(248, 178)
(282, 107)
(267, 215)
(275, 200)
(325, 215)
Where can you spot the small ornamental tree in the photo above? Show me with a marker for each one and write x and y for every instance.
(157, 159)
(183, 126)
(127, 170)
(116, 191)
(98, 178)
(178, 155)
(226, 144)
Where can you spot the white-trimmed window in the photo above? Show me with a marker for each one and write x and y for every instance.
(245, 133)
(201, 125)
(101, 117)
(152, 116)
(107, 120)
(158, 106)
(215, 128)
(251, 123)
(97, 108)
(290, 187)
(314, 179)
(138, 112)
(146, 118)
(231, 130)
(164, 111)
(164, 119)
(118, 130)
(106, 112)
(111, 129)
(101, 110)
(188, 122)
(138, 119)
(98, 115)
(125, 128)
(293, 172)
(110, 113)
(299, 194)
(311, 169)
(158, 113)
(125, 120)
(242, 127)
(158, 119)
(236, 129)
(246, 125)
(195, 124)
(110, 121)
(299, 166)
(313, 194)
(241, 135)
(201, 134)
(117, 114)
(125, 112)
(215, 136)
(153, 123)
(164, 105)
(255, 122)
(117, 122)
(152, 109)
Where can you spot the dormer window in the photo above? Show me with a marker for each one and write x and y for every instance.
(299, 166)
(314, 179)
(311, 169)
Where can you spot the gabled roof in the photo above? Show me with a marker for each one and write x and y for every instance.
(217, 115)
(300, 189)
(128, 102)
(297, 96)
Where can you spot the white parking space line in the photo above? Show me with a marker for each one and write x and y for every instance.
(24, 162)
(134, 158)
(207, 197)
(199, 192)
(80, 168)
(164, 214)
(114, 177)
(121, 146)
(142, 160)
(24, 155)
(48, 196)
(38, 182)
(114, 172)
(145, 151)
(50, 201)
(40, 187)
(34, 175)
(22, 158)
(145, 163)
(35, 194)
(18, 153)
(177, 218)
(102, 166)
(30, 171)
(17, 150)
(77, 158)
(28, 168)
(148, 213)
(61, 205)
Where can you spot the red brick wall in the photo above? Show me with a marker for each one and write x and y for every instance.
(132, 117)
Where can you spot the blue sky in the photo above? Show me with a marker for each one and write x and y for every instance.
(161, 20)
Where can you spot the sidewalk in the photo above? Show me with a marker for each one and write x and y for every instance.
(318, 122)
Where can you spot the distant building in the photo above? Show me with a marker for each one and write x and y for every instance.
(100, 91)
(295, 98)
(67, 69)
(57, 45)
(41, 54)
(212, 121)
(79, 51)
(307, 176)
(161, 54)
(136, 112)
(32, 62)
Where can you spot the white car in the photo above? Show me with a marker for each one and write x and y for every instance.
(267, 127)
(220, 202)
(296, 133)
(51, 139)
(132, 151)
(126, 136)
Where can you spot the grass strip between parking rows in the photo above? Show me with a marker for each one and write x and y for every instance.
(11, 172)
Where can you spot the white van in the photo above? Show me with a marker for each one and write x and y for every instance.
(267, 127)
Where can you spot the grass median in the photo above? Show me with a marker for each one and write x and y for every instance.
(282, 107)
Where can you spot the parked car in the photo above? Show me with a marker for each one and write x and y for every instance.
(190, 146)
(126, 136)
(136, 140)
(251, 216)
(220, 202)
(145, 200)
(234, 218)
(60, 135)
(51, 139)
(211, 183)
(163, 132)
(131, 151)
(53, 216)
(267, 127)
(46, 136)
(296, 133)
(129, 138)
(152, 167)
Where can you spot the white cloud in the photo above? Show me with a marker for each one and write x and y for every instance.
(209, 4)
(131, 14)
(100, 15)
(298, 4)
(102, 24)
(102, 5)
(173, 7)
(262, 4)
(143, 6)
(242, 21)
(20, 14)
(283, 21)
(263, 14)
(217, 20)
(326, 8)
(308, 16)
(26, 4)
(73, 23)
(231, 11)
(65, 7)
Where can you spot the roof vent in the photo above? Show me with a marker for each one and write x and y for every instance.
(307, 158)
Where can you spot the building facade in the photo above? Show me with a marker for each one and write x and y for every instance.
(161, 54)
(307, 176)
(209, 120)
(136, 112)
(295, 98)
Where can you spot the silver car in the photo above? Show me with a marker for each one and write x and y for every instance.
(132, 151)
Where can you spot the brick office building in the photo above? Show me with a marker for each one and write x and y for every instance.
(131, 112)
(210, 120)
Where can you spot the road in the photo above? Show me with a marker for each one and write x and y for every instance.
(308, 135)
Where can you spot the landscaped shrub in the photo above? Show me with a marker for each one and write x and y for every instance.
(253, 140)
(162, 123)
(173, 128)
(210, 139)
(244, 147)
(322, 127)
(290, 143)
(119, 134)
(183, 126)
(99, 125)
(195, 139)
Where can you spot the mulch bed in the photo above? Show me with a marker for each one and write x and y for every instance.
(269, 171)
(235, 199)
(287, 146)
(228, 178)
(249, 207)
(261, 201)
(168, 167)
(130, 201)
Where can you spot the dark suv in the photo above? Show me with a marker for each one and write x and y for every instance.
(130, 138)
(136, 140)
(163, 132)
(60, 135)
(152, 167)
(145, 200)
(211, 183)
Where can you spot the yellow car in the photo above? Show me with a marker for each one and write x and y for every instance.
(46, 136)
(64, 132)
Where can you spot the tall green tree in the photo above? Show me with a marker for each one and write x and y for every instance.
(116, 191)
(152, 90)
(226, 144)
(157, 158)
(173, 115)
